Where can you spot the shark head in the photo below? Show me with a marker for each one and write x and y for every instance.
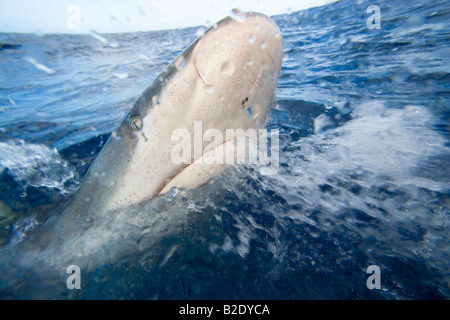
(226, 79)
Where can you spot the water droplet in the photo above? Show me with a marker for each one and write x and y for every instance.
(250, 38)
(180, 62)
(227, 68)
(143, 56)
(401, 75)
(115, 136)
(123, 75)
(155, 100)
(263, 44)
(257, 27)
(171, 194)
(200, 31)
(210, 89)
(95, 35)
(221, 98)
(322, 123)
(237, 15)
(249, 110)
(38, 65)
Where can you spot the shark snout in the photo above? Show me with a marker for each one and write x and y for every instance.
(243, 47)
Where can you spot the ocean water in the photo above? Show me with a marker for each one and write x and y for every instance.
(364, 170)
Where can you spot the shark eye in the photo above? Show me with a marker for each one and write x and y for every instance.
(135, 122)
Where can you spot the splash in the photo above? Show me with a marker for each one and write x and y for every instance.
(37, 165)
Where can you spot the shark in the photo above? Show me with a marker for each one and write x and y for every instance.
(225, 79)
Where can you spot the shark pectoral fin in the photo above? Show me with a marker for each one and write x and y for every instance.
(210, 164)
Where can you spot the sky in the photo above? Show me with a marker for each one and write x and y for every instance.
(115, 16)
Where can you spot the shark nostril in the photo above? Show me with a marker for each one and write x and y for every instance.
(243, 102)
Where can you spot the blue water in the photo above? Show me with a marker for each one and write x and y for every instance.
(364, 171)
